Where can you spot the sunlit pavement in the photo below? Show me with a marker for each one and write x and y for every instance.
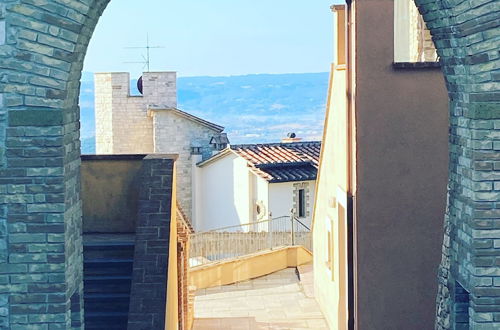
(275, 301)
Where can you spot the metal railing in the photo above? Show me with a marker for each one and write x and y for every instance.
(234, 241)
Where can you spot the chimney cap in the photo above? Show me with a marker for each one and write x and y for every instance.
(290, 138)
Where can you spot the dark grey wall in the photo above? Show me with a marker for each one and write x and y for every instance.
(110, 192)
(402, 161)
(148, 296)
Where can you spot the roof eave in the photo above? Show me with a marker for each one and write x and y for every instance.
(206, 123)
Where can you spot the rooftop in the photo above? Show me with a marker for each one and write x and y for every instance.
(282, 162)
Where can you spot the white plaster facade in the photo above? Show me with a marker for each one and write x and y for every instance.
(230, 191)
(150, 123)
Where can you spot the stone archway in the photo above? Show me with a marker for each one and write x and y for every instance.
(42, 47)
(467, 37)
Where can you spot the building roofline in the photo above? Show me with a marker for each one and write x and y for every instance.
(273, 144)
(220, 154)
(152, 108)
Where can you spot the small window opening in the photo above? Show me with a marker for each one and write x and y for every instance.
(196, 150)
(302, 203)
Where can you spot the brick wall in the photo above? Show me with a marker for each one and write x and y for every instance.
(466, 34)
(149, 278)
(42, 46)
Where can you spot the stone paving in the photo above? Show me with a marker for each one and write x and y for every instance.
(276, 301)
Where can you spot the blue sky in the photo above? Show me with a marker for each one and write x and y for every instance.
(214, 37)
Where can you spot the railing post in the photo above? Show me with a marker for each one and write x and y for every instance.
(270, 230)
(292, 231)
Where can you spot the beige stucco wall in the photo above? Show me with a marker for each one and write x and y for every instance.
(401, 139)
(330, 286)
(110, 190)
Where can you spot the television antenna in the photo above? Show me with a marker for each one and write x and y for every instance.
(146, 62)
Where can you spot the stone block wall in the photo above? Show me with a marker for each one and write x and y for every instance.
(152, 238)
(122, 123)
(466, 35)
(176, 134)
(42, 46)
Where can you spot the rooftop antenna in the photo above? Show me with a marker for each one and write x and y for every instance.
(146, 59)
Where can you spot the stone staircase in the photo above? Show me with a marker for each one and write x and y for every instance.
(107, 267)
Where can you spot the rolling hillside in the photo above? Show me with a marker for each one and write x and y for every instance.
(253, 108)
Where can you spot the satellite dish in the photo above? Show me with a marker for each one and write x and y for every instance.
(139, 84)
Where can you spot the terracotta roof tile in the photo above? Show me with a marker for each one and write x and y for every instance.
(282, 162)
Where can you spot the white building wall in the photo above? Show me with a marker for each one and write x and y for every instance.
(174, 134)
(281, 199)
(221, 195)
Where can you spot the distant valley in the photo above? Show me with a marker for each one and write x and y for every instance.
(252, 108)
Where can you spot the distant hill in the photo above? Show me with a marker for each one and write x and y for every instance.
(252, 108)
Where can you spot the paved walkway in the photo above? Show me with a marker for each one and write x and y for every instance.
(276, 301)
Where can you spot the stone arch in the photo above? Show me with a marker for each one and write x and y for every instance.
(42, 47)
(467, 38)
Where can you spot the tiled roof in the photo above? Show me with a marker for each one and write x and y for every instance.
(282, 162)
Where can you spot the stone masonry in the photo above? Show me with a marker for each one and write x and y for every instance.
(467, 38)
(150, 124)
(122, 124)
(152, 239)
(177, 133)
(42, 47)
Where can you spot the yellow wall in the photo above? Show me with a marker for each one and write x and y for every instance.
(248, 267)
(332, 184)
(172, 314)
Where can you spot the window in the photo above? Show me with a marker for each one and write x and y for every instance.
(302, 203)
(301, 195)
(412, 40)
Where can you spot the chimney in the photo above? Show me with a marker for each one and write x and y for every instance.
(291, 138)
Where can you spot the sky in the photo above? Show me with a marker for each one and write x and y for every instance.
(214, 37)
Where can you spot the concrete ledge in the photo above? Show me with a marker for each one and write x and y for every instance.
(114, 157)
(248, 267)
(416, 65)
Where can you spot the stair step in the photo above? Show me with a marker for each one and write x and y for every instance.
(107, 284)
(107, 267)
(110, 303)
(99, 251)
(106, 320)
(108, 263)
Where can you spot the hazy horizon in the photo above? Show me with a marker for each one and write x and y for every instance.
(222, 38)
